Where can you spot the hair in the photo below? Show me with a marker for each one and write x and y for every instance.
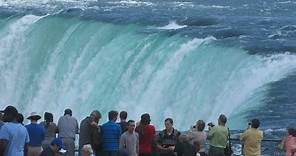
(200, 125)
(169, 120)
(97, 113)
(20, 118)
(112, 115)
(291, 131)
(222, 118)
(10, 114)
(145, 120)
(68, 111)
(255, 123)
(48, 117)
(123, 115)
(130, 121)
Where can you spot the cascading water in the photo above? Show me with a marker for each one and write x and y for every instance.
(49, 63)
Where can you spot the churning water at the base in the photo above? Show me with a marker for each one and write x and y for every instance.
(48, 63)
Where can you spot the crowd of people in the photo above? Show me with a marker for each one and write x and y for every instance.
(124, 138)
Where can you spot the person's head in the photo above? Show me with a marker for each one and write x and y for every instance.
(123, 115)
(145, 119)
(255, 123)
(10, 114)
(48, 117)
(86, 150)
(20, 118)
(168, 122)
(200, 125)
(34, 117)
(95, 116)
(57, 146)
(68, 111)
(222, 120)
(112, 115)
(131, 126)
(290, 130)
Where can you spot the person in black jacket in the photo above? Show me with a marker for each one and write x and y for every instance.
(90, 132)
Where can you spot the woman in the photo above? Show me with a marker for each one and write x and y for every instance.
(146, 135)
(289, 143)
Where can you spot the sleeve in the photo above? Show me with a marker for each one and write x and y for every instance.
(211, 132)
(27, 137)
(4, 133)
(119, 131)
(121, 143)
(243, 136)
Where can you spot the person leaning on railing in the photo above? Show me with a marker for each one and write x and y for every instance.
(251, 139)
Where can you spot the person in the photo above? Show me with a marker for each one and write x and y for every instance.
(20, 118)
(87, 150)
(123, 124)
(68, 128)
(1, 119)
(146, 133)
(129, 140)
(14, 137)
(111, 133)
(167, 138)
(55, 148)
(36, 134)
(251, 139)
(183, 146)
(198, 136)
(289, 143)
(90, 133)
(51, 129)
(218, 137)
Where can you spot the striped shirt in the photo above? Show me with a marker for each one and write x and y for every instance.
(111, 134)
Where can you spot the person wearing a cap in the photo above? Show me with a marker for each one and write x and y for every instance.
(146, 133)
(68, 128)
(14, 137)
(36, 133)
(55, 148)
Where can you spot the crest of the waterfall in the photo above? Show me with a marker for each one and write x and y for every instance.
(60, 62)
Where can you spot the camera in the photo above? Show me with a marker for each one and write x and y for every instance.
(211, 124)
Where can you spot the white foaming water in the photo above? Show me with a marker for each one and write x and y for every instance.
(12, 56)
(173, 25)
(88, 65)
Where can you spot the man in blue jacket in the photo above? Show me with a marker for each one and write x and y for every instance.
(111, 134)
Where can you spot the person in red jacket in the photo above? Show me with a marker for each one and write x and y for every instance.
(146, 135)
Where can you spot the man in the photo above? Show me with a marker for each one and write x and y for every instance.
(123, 124)
(68, 128)
(218, 136)
(36, 134)
(129, 140)
(251, 139)
(167, 139)
(55, 148)
(90, 133)
(111, 135)
(14, 137)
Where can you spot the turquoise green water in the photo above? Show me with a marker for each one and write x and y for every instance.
(50, 63)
